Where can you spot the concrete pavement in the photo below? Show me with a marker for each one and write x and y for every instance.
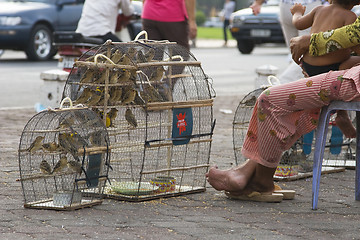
(208, 215)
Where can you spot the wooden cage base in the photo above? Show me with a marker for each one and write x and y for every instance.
(324, 170)
(48, 204)
(139, 198)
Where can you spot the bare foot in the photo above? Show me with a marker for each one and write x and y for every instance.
(231, 180)
(344, 123)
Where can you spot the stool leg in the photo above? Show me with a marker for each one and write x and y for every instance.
(320, 142)
(357, 174)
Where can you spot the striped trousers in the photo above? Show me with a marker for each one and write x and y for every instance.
(283, 113)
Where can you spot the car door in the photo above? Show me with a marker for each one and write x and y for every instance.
(69, 13)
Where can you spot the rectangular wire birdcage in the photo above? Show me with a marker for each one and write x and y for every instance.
(160, 125)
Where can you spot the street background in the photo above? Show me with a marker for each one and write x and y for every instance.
(208, 215)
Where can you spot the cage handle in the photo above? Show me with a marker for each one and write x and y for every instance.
(102, 55)
(143, 32)
(272, 80)
(67, 99)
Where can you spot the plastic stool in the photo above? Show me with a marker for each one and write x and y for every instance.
(320, 142)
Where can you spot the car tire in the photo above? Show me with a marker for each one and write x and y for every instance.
(245, 46)
(40, 46)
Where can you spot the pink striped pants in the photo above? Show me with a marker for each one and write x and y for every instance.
(283, 113)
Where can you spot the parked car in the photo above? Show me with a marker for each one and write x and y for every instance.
(28, 25)
(249, 30)
(214, 22)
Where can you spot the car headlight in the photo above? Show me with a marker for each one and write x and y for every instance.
(238, 20)
(9, 21)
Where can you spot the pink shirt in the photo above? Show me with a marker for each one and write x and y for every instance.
(165, 10)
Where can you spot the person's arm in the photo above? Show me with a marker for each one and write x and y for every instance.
(191, 11)
(256, 6)
(126, 7)
(345, 37)
(300, 21)
(299, 46)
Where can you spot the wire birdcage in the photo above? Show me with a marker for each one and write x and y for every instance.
(156, 102)
(64, 159)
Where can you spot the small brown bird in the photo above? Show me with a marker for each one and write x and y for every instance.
(130, 118)
(88, 76)
(116, 56)
(115, 95)
(125, 76)
(51, 146)
(131, 52)
(128, 95)
(36, 144)
(74, 166)
(95, 97)
(111, 115)
(114, 77)
(149, 55)
(153, 94)
(251, 101)
(45, 167)
(140, 57)
(101, 77)
(60, 165)
(84, 96)
(157, 74)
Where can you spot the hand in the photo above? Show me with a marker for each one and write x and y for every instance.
(192, 29)
(256, 7)
(298, 8)
(299, 46)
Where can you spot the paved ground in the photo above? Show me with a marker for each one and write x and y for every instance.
(208, 215)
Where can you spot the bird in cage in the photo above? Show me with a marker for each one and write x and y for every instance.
(129, 94)
(115, 95)
(51, 146)
(111, 115)
(66, 122)
(140, 57)
(130, 118)
(116, 56)
(125, 76)
(153, 94)
(84, 96)
(102, 99)
(150, 54)
(88, 76)
(250, 102)
(74, 166)
(138, 100)
(36, 144)
(101, 77)
(45, 167)
(157, 74)
(114, 77)
(70, 142)
(60, 165)
(95, 97)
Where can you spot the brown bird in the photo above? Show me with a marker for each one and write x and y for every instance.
(95, 97)
(71, 142)
(36, 144)
(130, 118)
(153, 94)
(250, 102)
(51, 146)
(45, 167)
(149, 55)
(114, 77)
(101, 77)
(115, 95)
(140, 57)
(125, 76)
(157, 74)
(88, 76)
(84, 96)
(131, 52)
(74, 166)
(128, 95)
(60, 165)
(111, 115)
(116, 56)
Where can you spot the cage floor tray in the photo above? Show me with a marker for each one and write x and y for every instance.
(49, 204)
(132, 188)
(309, 174)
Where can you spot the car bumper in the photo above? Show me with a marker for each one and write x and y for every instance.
(14, 38)
(258, 34)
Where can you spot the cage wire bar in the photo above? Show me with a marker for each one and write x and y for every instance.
(298, 160)
(63, 159)
(156, 102)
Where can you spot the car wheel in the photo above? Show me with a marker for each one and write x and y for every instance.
(245, 46)
(40, 45)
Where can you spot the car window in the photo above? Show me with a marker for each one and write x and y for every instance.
(43, 1)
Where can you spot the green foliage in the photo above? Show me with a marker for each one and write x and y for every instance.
(211, 33)
(200, 18)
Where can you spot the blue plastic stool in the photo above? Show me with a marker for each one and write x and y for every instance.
(321, 141)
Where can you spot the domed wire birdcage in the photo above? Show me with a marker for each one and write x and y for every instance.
(63, 159)
(156, 102)
(296, 162)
